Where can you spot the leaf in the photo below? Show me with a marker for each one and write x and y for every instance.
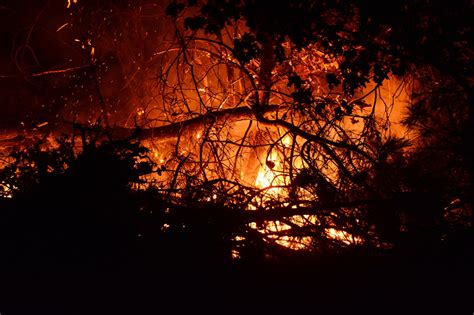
(174, 8)
(194, 23)
(332, 80)
(246, 48)
(270, 164)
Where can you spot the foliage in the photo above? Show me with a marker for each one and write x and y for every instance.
(76, 205)
(365, 37)
(359, 43)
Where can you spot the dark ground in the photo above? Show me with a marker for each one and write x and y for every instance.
(391, 285)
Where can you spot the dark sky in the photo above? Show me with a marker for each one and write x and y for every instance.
(30, 44)
(35, 38)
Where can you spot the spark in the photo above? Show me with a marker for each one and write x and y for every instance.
(62, 26)
(42, 124)
(235, 254)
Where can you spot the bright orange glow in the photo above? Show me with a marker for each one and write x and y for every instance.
(258, 157)
(266, 175)
(343, 236)
(69, 3)
(6, 191)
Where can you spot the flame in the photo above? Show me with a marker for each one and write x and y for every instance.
(264, 178)
(286, 141)
(267, 178)
(69, 3)
(267, 175)
(6, 191)
(343, 236)
(271, 172)
(270, 177)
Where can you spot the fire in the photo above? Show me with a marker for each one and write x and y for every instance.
(270, 179)
(70, 2)
(343, 236)
(271, 176)
(6, 191)
(266, 175)
(213, 153)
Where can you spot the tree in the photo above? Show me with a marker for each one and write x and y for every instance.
(277, 111)
(278, 52)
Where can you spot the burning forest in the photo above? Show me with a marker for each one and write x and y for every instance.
(239, 140)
